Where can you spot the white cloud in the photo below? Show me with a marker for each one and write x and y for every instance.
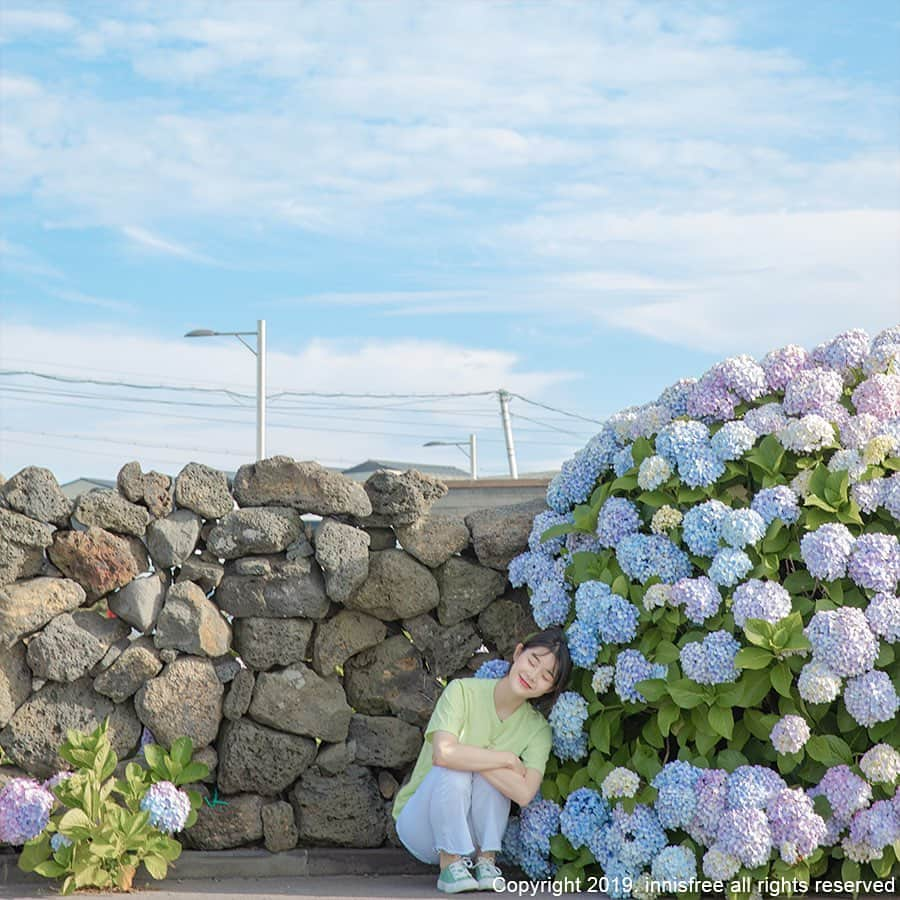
(331, 430)
(150, 241)
(25, 22)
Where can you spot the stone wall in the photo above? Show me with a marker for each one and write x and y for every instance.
(303, 657)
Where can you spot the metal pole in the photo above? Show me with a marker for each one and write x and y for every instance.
(260, 388)
(473, 457)
(507, 433)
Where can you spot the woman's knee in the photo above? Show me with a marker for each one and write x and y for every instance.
(455, 779)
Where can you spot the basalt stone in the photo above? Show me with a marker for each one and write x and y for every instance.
(39, 726)
(108, 658)
(255, 530)
(36, 493)
(138, 553)
(384, 741)
(203, 490)
(130, 481)
(445, 649)
(172, 540)
(72, 643)
(158, 494)
(344, 810)
(15, 681)
(22, 543)
(391, 679)
(261, 760)
(435, 538)
(401, 499)
(387, 784)
(279, 829)
(140, 602)
(501, 533)
(224, 826)
(305, 486)
(343, 553)
(398, 587)
(27, 606)
(334, 758)
(279, 597)
(136, 665)
(192, 623)
(204, 570)
(264, 643)
(466, 589)
(343, 636)
(505, 623)
(110, 510)
(98, 560)
(210, 759)
(381, 537)
(184, 699)
(237, 700)
(298, 701)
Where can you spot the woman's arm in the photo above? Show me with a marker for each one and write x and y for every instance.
(449, 753)
(520, 789)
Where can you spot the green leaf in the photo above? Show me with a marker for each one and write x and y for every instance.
(686, 693)
(561, 847)
(666, 716)
(75, 824)
(49, 869)
(155, 756)
(722, 721)
(652, 688)
(34, 853)
(829, 749)
(600, 733)
(782, 678)
(195, 771)
(753, 658)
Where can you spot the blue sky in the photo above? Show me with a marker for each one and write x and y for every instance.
(579, 202)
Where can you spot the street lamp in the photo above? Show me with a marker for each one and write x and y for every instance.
(471, 453)
(260, 354)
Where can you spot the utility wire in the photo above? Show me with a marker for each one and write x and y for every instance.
(556, 409)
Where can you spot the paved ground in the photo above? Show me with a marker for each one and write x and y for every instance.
(333, 887)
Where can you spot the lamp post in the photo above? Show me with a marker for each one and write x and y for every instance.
(471, 453)
(260, 354)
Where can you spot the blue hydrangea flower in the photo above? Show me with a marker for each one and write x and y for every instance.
(875, 561)
(732, 440)
(168, 806)
(631, 667)
(590, 600)
(584, 644)
(778, 502)
(58, 840)
(635, 838)
(623, 461)
(842, 640)
(826, 551)
(567, 718)
(711, 661)
(741, 527)
(719, 865)
(675, 397)
(699, 596)
(702, 527)
(729, 566)
(617, 622)
(493, 668)
(789, 734)
(538, 822)
(675, 867)
(756, 599)
(618, 517)
(543, 521)
(700, 467)
(679, 438)
(752, 787)
(24, 810)
(585, 811)
(797, 829)
(676, 800)
(871, 698)
(602, 679)
(643, 556)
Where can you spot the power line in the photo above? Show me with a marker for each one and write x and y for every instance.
(105, 440)
(556, 409)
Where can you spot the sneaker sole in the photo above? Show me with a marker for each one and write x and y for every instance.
(459, 887)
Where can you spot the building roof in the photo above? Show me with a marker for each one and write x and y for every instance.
(73, 489)
(364, 469)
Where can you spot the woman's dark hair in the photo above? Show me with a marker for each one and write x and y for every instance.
(553, 639)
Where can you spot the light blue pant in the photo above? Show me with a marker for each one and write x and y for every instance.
(452, 811)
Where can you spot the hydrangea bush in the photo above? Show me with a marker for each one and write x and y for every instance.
(725, 561)
(94, 831)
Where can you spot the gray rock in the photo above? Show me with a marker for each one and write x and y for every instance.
(466, 589)
(342, 636)
(227, 667)
(342, 810)
(264, 643)
(167, 655)
(108, 658)
(446, 649)
(398, 587)
(305, 486)
(381, 537)
(110, 510)
(184, 699)
(285, 597)
(255, 530)
(36, 493)
(172, 540)
(387, 784)
(298, 701)
(279, 829)
(159, 494)
(210, 759)
(203, 490)
(384, 741)
(138, 553)
(136, 665)
(401, 499)
(237, 700)
(130, 481)
(15, 681)
(222, 827)
(391, 679)
(506, 622)
(22, 543)
(39, 726)
(300, 549)
(343, 553)
(140, 602)
(259, 759)
(27, 606)
(435, 538)
(204, 570)
(72, 644)
(192, 623)
(501, 533)
(97, 559)
(334, 758)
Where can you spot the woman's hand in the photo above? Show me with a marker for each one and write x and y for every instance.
(513, 762)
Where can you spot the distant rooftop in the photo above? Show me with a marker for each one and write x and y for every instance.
(362, 471)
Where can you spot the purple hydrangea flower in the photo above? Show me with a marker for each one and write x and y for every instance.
(756, 599)
(858, 430)
(168, 806)
(826, 551)
(878, 395)
(711, 791)
(790, 734)
(24, 810)
(766, 419)
(875, 562)
(797, 829)
(809, 391)
(631, 667)
(778, 502)
(874, 828)
(847, 350)
(700, 597)
(618, 517)
(845, 792)
(871, 698)
(745, 834)
(780, 366)
(868, 495)
(842, 640)
(711, 661)
(883, 616)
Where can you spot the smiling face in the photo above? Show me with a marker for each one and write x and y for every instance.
(533, 671)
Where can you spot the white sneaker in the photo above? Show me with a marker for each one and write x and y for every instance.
(457, 877)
